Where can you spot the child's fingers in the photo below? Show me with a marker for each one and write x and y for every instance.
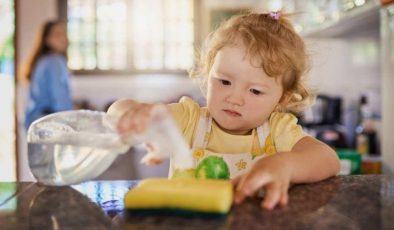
(142, 118)
(248, 184)
(151, 159)
(284, 199)
(236, 180)
(149, 147)
(134, 120)
(126, 122)
(149, 114)
(154, 161)
(158, 113)
(285, 195)
(238, 196)
(272, 197)
(123, 123)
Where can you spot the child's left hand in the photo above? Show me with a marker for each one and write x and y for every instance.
(271, 173)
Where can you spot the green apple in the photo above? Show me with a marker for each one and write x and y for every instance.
(212, 167)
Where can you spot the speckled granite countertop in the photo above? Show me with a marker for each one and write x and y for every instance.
(343, 202)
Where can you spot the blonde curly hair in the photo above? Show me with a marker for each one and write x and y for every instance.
(270, 41)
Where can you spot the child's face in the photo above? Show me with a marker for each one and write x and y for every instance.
(240, 95)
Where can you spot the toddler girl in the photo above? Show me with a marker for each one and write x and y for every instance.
(251, 69)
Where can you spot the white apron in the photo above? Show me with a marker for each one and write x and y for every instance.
(237, 163)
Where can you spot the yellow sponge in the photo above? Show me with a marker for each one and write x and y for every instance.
(193, 195)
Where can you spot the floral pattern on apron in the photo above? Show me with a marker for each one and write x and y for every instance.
(227, 165)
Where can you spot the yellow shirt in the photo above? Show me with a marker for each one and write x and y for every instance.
(284, 131)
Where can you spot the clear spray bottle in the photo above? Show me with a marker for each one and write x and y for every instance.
(74, 146)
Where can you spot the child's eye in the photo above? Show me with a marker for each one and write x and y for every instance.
(255, 91)
(225, 82)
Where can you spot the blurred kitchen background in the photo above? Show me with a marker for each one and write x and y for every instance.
(141, 49)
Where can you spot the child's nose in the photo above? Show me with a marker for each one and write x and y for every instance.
(236, 97)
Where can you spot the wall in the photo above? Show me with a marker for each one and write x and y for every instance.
(348, 66)
(208, 5)
(387, 87)
(31, 14)
(102, 90)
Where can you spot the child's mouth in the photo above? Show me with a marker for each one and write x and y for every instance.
(232, 113)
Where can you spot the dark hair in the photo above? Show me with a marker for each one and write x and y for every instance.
(40, 48)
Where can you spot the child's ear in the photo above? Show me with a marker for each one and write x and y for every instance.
(284, 101)
(282, 104)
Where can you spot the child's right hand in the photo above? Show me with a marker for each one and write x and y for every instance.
(151, 158)
(134, 121)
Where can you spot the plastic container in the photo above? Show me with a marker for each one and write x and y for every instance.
(74, 146)
(350, 161)
(371, 164)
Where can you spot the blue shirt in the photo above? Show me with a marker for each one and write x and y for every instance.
(49, 88)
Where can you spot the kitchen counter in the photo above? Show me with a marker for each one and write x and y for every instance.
(343, 202)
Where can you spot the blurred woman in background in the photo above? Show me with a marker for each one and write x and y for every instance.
(47, 73)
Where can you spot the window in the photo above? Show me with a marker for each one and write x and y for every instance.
(130, 35)
(7, 94)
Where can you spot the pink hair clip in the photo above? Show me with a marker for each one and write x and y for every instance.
(275, 15)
